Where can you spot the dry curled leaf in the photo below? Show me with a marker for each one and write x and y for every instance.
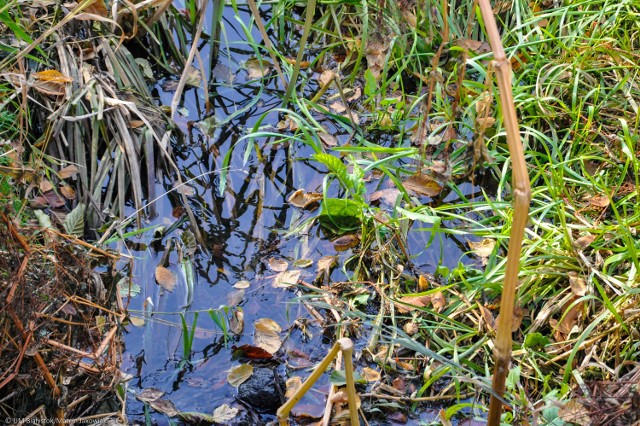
(165, 278)
(239, 374)
(577, 284)
(67, 172)
(421, 184)
(302, 199)
(286, 279)
(438, 301)
(346, 242)
(584, 241)
(410, 303)
(52, 76)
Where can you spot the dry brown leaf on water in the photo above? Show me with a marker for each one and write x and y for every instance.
(577, 284)
(149, 394)
(325, 264)
(277, 265)
(235, 297)
(421, 184)
(438, 301)
(328, 141)
(346, 242)
(410, 303)
(476, 46)
(338, 107)
(183, 189)
(303, 64)
(224, 414)
(67, 172)
(165, 278)
(239, 374)
(257, 68)
(286, 279)
(292, 385)
(574, 412)
(242, 284)
(601, 201)
(164, 406)
(584, 241)
(302, 199)
(388, 196)
(326, 77)
(370, 375)
(266, 335)
(236, 323)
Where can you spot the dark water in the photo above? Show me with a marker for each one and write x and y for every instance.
(242, 229)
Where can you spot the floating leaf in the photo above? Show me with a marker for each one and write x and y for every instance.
(137, 321)
(193, 417)
(235, 297)
(239, 374)
(483, 249)
(326, 77)
(388, 196)
(329, 141)
(149, 394)
(164, 406)
(242, 284)
(251, 352)
(346, 242)
(266, 335)
(189, 241)
(421, 184)
(303, 263)
(257, 68)
(325, 263)
(224, 413)
(165, 278)
(184, 189)
(286, 279)
(74, 222)
(293, 384)
(236, 323)
(302, 199)
(278, 265)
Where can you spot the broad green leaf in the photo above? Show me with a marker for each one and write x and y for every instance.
(74, 222)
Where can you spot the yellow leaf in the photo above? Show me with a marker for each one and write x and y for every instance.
(239, 374)
(52, 75)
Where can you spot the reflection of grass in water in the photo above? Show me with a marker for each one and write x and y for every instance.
(576, 93)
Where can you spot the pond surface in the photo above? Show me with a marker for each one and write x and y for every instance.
(242, 229)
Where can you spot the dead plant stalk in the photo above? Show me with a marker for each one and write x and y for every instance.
(522, 198)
